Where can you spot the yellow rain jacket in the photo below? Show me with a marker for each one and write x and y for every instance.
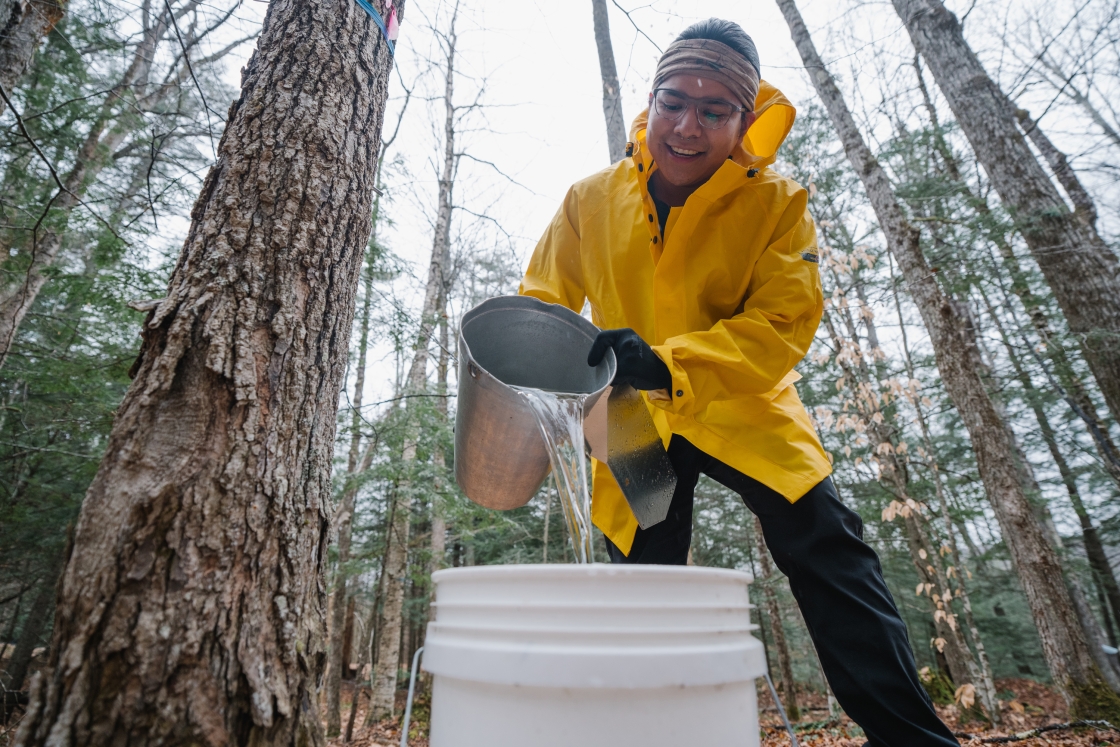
(730, 301)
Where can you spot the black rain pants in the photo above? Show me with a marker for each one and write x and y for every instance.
(836, 578)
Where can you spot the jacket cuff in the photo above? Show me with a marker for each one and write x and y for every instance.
(682, 398)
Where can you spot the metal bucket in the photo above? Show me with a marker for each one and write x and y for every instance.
(500, 457)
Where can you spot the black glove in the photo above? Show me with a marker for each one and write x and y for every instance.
(638, 365)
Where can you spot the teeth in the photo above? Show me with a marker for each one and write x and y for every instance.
(683, 152)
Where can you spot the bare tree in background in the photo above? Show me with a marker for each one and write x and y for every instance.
(612, 95)
(358, 461)
(135, 91)
(1082, 271)
(953, 338)
(191, 607)
(23, 24)
(1069, 383)
(396, 560)
(1077, 58)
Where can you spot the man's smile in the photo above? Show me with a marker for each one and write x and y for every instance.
(683, 152)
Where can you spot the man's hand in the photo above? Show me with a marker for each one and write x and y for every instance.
(638, 365)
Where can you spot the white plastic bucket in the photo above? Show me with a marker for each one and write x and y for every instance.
(590, 655)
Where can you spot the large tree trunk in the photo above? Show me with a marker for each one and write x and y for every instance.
(396, 560)
(774, 611)
(191, 610)
(1070, 385)
(612, 95)
(1080, 268)
(23, 24)
(1063, 643)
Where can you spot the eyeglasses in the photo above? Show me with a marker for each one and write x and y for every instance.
(712, 114)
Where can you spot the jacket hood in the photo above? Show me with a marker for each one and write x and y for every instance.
(760, 144)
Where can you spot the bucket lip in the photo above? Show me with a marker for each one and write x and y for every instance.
(690, 573)
(558, 311)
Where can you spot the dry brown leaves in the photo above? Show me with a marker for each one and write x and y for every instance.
(1033, 705)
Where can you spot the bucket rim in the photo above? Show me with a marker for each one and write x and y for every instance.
(558, 311)
(578, 570)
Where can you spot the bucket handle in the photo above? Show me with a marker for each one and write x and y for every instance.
(411, 691)
(773, 694)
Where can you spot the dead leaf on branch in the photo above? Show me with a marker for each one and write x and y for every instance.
(965, 696)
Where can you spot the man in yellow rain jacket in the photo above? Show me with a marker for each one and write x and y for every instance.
(700, 265)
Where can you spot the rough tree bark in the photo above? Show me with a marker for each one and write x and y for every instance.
(1063, 642)
(191, 609)
(612, 95)
(23, 24)
(396, 560)
(1071, 388)
(1074, 392)
(774, 611)
(1080, 268)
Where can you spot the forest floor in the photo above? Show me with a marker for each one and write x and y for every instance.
(1025, 705)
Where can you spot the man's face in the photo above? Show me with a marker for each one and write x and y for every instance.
(687, 154)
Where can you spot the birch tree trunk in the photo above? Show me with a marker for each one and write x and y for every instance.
(612, 95)
(1063, 642)
(23, 24)
(191, 609)
(1080, 268)
(396, 560)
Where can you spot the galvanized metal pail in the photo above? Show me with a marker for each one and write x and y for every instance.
(500, 456)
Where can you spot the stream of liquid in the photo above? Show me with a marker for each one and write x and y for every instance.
(560, 417)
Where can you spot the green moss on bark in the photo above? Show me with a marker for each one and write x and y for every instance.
(1095, 701)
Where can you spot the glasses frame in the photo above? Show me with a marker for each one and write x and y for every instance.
(694, 105)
